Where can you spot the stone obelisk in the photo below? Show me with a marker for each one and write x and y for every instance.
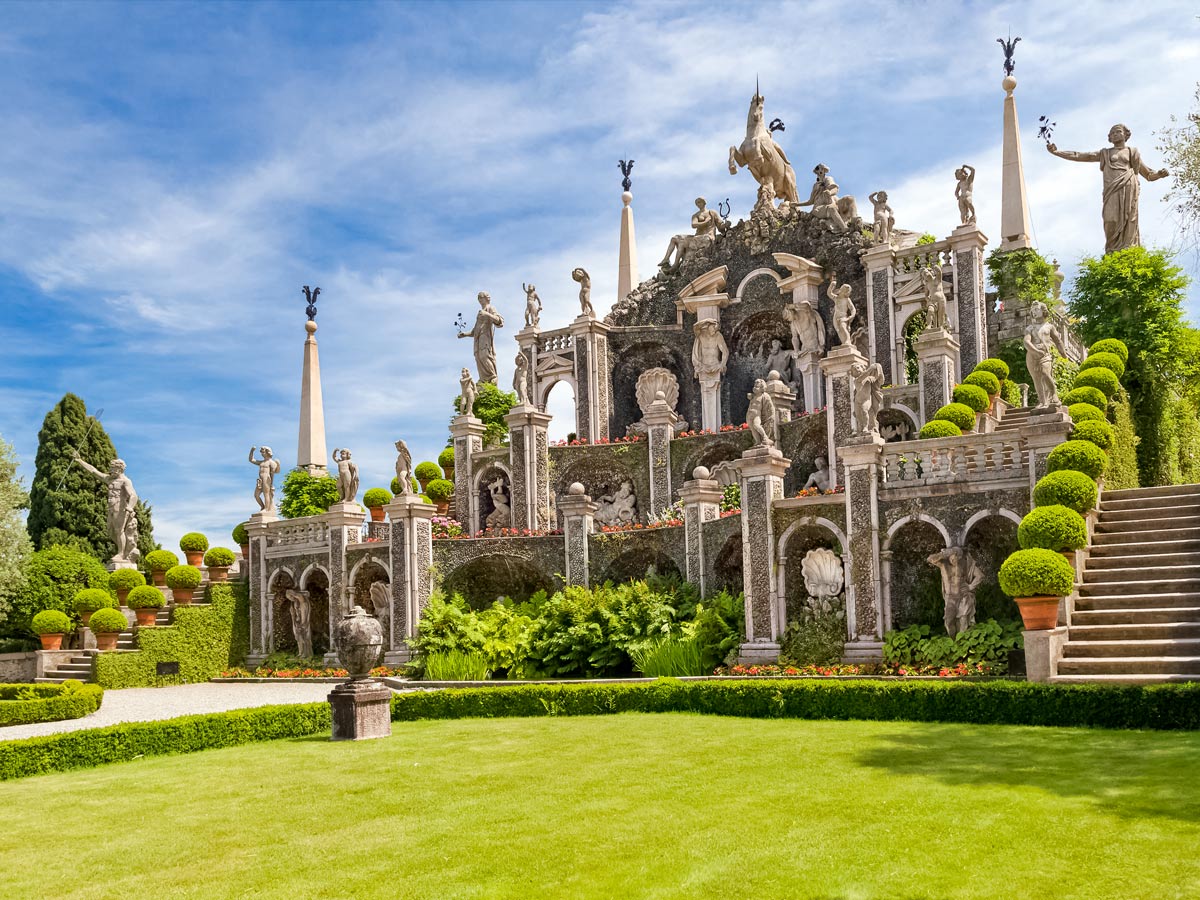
(1014, 205)
(627, 265)
(311, 451)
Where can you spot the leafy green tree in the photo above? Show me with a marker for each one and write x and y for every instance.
(1122, 455)
(491, 406)
(52, 578)
(1180, 146)
(307, 495)
(15, 546)
(1023, 275)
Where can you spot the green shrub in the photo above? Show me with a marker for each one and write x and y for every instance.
(961, 415)
(146, 597)
(124, 579)
(108, 621)
(986, 380)
(52, 577)
(427, 471)
(161, 560)
(1096, 431)
(1010, 393)
(439, 490)
(26, 704)
(984, 642)
(307, 495)
(446, 458)
(719, 628)
(1111, 345)
(1085, 412)
(973, 396)
(1036, 573)
(219, 557)
(1085, 394)
(1109, 361)
(937, 428)
(1103, 380)
(240, 535)
(731, 497)
(183, 577)
(1068, 488)
(51, 621)
(455, 665)
(1055, 528)
(1122, 470)
(193, 542)
(672, 657)
(376, 497)
(92, 599)
(416, 487)
(993, 366)
(1077, 456)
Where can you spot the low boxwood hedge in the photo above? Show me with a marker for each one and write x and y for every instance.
(1077, 456)
(25, 704)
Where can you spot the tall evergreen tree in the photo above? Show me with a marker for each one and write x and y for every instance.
(14, 541)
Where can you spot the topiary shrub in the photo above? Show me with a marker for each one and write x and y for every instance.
(1103, 380)
(427, 472)
(146, 597)
(1113, 346)
(193, 542)
(51, 621)
(973, 396)
(1109, 361)
(985, 380)
(161, 560)
(1097, 431)
(183, 577)
(1054, 528)
(240, 535)
(439, 490)
(416, 487)
(1073, 490)
(1085, 412)
(961, 415)
(1078, 456)
(1010, 393)
(219, 557)
(1036, 573)
(108, 621)
(997, 367)
(1089, 395)
(125, 579)
(377, 497)
(938, 428)
(92, 599)
(446, 458)
(52, 578)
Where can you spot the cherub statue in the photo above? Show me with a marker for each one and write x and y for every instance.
(533, 305)
(964, 193)
(347, 476)
(935, 298)
(264, 487)
(844, 310)
(466, 401)
(884, 217)
(868, 395)
(585, 292)
(521, 380)
(403, 468)
(761, 417)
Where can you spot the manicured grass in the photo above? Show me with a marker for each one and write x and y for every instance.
(626, 806)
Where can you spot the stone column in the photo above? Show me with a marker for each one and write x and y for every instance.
(762, 471)
(312, 455)
(467, 434)
(260, 603)
(967, 242)
(880, 263)
(704, 298)
(862, 461)
(838, 393)
(411, 558)
(701, 503)
(578, 512)
(529, 462)
(660, 422)
(803, 283)
(345, 527)
(592, 398)
(937, 358)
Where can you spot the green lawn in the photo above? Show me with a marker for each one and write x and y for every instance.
(626, 806)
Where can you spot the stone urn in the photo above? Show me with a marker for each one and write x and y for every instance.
(359, 640)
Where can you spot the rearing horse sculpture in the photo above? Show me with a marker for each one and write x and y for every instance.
(762, 156)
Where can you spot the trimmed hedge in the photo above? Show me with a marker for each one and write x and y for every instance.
(984, 379)
(1055, 528)
(1085, 412)
(1103, 380)
(997, 367)
(960, 415)
(1087, 395)
(1160, 706)
(1073, 490)
(937, 428)
(972, 396)
(25, 704)
(1109, 361)
(1077, 456)
(1111, 345)
(1095, 431)
(1036, 573)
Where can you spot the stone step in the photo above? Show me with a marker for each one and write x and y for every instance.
(70, 670)
(1123, 679)
(1177, 615)
(1188, 510)
(1138, 549)
(1161, 631)
(1143, 560)
(1159, 574)
(1150, 525)
(1158, 647)
(1167, 490)
(1130, 665)
(1121, 533)
(1116, 601)
(1166, 501)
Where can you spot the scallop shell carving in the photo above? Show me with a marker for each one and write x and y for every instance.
(652, 381)
(822, 570)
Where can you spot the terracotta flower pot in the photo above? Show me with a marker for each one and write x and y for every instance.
(183, 596)
(1069, 556)
(107, 640)
(218, 573)
(159, 578)
(1038, 613)
(146, 617)
(443, 508)
(424, 484)
(246, 552)
(85, 616)
(194, 557)
(378, 513)
(449, 470)
(122, 593)
(51, 641)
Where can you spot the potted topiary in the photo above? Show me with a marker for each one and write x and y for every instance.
(107, 624)
(1102, 379)
(1103, 360)
(123, 581)
(146, 601)
(1037, 580)
(1110, 345)
(193, 544)
(1085, 412)
(1077, 456)
(1084, 394)
(972, 395)
(1056, 528)
(439, 491)
(158, 562)
(961, 415)
(51, 626)
(986, 380)
(426, 472)
(89, 600)
(937, 428)
(375, 500)
(1094, 431)
(242, 538)
(218, 560)
(183, 581)
(446, 461)
(1068, 488)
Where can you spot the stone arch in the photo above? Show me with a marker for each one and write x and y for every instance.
(366, 572)
(547, 383)
(639, 561)
(914, 586)
(989, 536)
(484, 579)
(755, 273)
(910, 330)
(628, 365)
(898, 423)
(727, 567)
(807, 533)
(709, 454)
(281, 572)
(915, 517)
(308, 573)
(483, 505)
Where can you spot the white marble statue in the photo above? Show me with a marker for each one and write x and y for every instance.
(487, 320)
(935, 299)
(121, 519)
(1121, 166)
(521, 379)
(761, 416)
(1040, 337)
(347, 476)
(964, 193)
(960, 577)
(844, 310)
(868, 395)
(300, 610)
(760, 153)
(884, 217)
(381, 607)
(501, 514)
(836, 212)
(404, 468)
(781, 361)
(585, 292)
(619, 508)
(823, 572)
(467, 393)
(264, 486)
(533, 305)
(707, 223)
(808, 329)
(819, 479)
(710, 353)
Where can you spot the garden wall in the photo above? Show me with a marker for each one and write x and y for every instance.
(16, 668)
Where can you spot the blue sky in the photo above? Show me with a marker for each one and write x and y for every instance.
(171, 175)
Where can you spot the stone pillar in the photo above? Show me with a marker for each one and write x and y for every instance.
(704, 298)
(762, 471)
(411, 558)
(529, 462)
(1043, 652)
(783, 398)
(578, 512)
(880, 263)
(660, 422)
(312, 454)
(1041, 433)
(1014, 205)
(808, 364)
(260, 602)
(937, 357)
(627, 261)
(345, 528)
(838, 393)
(862, 461)
(467, 434)
(970, 304)
(803, 283)
(701, 503)
(593, 400)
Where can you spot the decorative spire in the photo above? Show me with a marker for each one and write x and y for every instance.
(627, 267)
(311, 449)
(1009, 46)
(626, 168)
(311, 295)
(1015, 229)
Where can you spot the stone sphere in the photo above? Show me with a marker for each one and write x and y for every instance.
(576, 489)
(701, 473)
(359, 640)
(1009, 83)
(310, 326)
(627, 198)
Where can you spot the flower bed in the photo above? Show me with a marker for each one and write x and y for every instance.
(843, 670)
(817, 492)
(306, 672)
(599, 442)
(515, 532)
(638, 526)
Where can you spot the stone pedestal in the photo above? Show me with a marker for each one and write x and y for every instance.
(345, 528)
(1043, 651)
(701, 503)
(260, 603)
(113, 564)
(704, 298)
(660, 422)
(880, 263)
(1044, 430)
(593, 399)
(861, 463)
(937, 356)
(968, 243)
(762, 471)
(467, 434)
(839, 391)
(361, 710)
(783, 398)
(411, 550)
(529, 462)
(578, 512)
(808, 368)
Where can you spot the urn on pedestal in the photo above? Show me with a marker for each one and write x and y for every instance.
(361, 706)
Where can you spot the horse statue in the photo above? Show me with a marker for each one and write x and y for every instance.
(763, 156)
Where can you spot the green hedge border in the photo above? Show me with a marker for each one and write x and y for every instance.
(1159, 707)
(55, 702)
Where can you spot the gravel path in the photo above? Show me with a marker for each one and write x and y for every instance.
(148, 704)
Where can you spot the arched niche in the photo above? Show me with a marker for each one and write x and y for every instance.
(749, 347)
(914, 584)
(639, 562)
(488, 578)
(628, 365)
(989, 538)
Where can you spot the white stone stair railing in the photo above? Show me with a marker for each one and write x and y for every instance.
(971, 457)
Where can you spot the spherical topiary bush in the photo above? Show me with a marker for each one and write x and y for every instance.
(972, 395)
(1097, 431)
(161, 560)
(183, 577)
(446, 458)
(1109, 361)
(376, 497)
(1073, 490)
(413, 483)
(125, 579)
(108, 621)
(193, 542)
(1089, 395)
(1055, 528)
(219, 557)
(1078, 456)
(91, 599)
(997, 367)
(439, 490)
(1085, 412)
(146, 597)
(961, 415)
(937, 428)
(1036, 573)
(427, 472)
(1103, 380)
(240, 535)
(1111, 345)
(985, 380)
(51, 621)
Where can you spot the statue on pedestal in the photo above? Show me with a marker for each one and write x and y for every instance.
(121, 520)
(710, 353)
(487, 320)
(762, 155)
(300, 610)
(347, 476)
(501, 514)
(836, 212)
(867, 384)
(521, 380)
(533, 305)
(1040, 336)
(780, 361)
(964, 193)
(935, 299)
(403, 469)
(844, 310)
(619, 508)
(466, 400)
(884, 217)
(585, 292)
(761, 417)
(960, 577)
(819, 479)
(707, 223)
(381, 606)
(808, 329)
(264, 487)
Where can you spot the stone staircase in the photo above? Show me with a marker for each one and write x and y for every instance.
(1014, 418)
(82, 666)
(1137, 617)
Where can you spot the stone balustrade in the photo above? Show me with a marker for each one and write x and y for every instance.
(310, 530)
(552, 341)
(971, 457)
(913, 259)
